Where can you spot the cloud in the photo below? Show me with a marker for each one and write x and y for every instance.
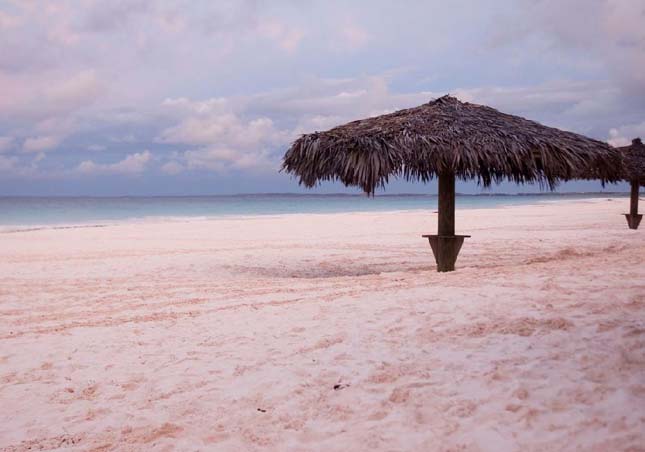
(172, 167)
(350, 98)
(225, 129)
(184, 105)
(354, 36)
(7, 163)
(608, 32)
(243, 78)
(5, 143)
(131, 164)
(127, 138)
(223, 159)
(39, 157)
(581, 106)
(78, 90)
(108, 16)
(623, 135)
(316, 123)
(42, 96)
(7, 21)
(39, 144)
(223, 138)
(287, 37)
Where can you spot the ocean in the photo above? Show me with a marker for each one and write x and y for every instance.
(24, 212)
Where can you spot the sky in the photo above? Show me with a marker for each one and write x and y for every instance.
(185, 97)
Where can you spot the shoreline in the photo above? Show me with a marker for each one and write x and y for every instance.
(102, 223)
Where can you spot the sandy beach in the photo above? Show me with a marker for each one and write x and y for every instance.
(327, 332)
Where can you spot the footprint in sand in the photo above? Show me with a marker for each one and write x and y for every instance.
(463, 408)
(399, 395)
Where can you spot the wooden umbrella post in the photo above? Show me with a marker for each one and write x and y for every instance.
(633, 217)
(446, 245)
(446, 225)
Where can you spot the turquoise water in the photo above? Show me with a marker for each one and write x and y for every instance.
(47, 211)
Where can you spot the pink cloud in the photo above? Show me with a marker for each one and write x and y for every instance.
(39, 144)
(287, 37)
(131, 164)
(5, 143)
(354, 36)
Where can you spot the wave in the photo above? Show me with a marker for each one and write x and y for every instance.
(14, 229)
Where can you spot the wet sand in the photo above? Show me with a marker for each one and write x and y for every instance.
(327, 332)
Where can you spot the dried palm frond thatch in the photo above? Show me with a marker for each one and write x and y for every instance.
(447, 135)
(634, 161)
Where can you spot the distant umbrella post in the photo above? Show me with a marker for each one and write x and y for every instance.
(634, 172)
(448, 139)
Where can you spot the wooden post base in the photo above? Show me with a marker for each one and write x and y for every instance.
(446, 249)
(633, 220)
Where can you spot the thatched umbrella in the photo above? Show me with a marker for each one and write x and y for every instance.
(448, 138)
(634, 161)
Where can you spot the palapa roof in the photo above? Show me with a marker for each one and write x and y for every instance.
(474, 141)
(634, 161)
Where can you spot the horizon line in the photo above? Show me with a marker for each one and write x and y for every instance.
(540, 193)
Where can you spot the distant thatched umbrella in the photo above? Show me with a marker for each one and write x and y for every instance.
(634, 172)
(448, 138)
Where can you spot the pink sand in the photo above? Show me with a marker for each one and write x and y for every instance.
(327, 332)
